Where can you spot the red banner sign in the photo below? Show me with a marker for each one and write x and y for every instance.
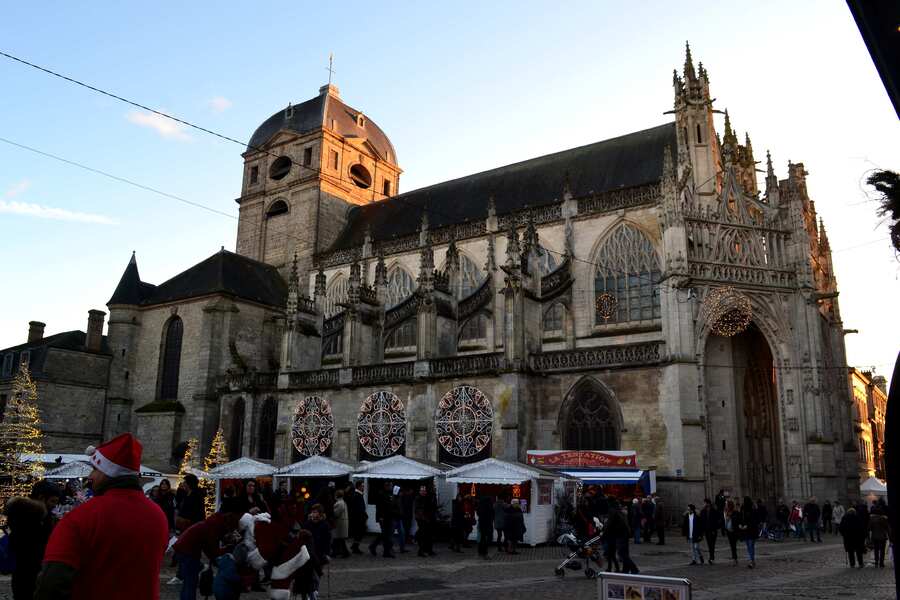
(581, 459)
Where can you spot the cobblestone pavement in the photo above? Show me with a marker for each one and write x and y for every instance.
(791, 569)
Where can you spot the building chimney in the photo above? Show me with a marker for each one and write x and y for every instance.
(35, 331)
(94, 335)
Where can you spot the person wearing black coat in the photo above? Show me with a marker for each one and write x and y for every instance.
(827, 516)
(485, 512)
(457, 523)
(425, 512)
(711, 521)
(30, 524)
(384, 514)
(620, 536)
(851, 529)
(317, 524)
(812, 514)
(693, 530)
(748, 529)
(356, 513)
(515, 526)
(731, 525)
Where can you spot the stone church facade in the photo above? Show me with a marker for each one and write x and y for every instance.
(568, 301)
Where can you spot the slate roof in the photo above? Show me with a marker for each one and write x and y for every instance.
(224, 272)
(626, 161)
(319, 112)
(67, 340)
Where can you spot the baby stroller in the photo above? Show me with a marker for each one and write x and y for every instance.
(776, 533)
(588, 550)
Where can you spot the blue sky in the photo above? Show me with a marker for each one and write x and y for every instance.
(459, 87)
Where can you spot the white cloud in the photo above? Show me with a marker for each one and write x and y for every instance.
(165, 127)
(17, 188)
(48, 212)
(220, 104)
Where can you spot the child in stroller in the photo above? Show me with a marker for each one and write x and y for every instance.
(588, 550)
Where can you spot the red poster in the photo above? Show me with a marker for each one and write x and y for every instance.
(580, 459)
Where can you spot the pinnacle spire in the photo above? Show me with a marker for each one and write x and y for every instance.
(689, 73)
(770, 170)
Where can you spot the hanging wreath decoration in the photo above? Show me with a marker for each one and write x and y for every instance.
(727, 311)
(465, 419)
(312, 429)
(381, 425)
(606, 306)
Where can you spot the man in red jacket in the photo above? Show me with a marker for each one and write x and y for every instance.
(202, 538)
(112, 546)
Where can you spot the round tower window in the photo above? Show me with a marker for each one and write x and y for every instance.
(360, 176)
(280, 168)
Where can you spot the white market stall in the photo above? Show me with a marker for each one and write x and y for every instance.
(532, 486)
(69, 470)
(238, 470)
(315, 472)
(402, 471)
(616, 470)
(873, 487)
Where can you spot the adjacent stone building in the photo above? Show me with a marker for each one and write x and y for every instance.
(868, 412)
(636, 293)
(71, 373)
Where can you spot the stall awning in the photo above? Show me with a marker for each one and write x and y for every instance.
(82, 468)
(316, 466)
(241, 468)
(398, 467)
(873, 485)
(611, 477)
(496, 471)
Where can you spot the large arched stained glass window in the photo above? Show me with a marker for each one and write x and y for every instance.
(400, 286)
(171, 361)
(471, 274)
(588, 420)
(336, 294)
(401, 337)
(475, 329)
(627, 271)
(237, 429)
(268, 421)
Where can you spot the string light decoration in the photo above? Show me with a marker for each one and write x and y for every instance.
(312, 430)
(381, 424)
(189, 459)
(20, 434)
(464, 421)
(218, 455)
(727, 311)
(606, 304)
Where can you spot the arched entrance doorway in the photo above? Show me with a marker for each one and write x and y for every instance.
(589, 418)
(743, 425)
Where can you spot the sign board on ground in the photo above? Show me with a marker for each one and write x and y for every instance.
(619, 586)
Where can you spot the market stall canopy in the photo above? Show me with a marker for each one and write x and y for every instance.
(74, 469)
(241, 468)
(62, 459)
(494, 470)
(399, 467)
(70, 470)
(316, 466)
(873, 485)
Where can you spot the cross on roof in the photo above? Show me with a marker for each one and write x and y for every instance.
(330, 67)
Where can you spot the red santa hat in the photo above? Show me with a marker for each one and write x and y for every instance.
(118, 457)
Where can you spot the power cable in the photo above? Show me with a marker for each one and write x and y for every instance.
(117, 178)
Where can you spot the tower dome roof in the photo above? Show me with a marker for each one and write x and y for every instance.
(326, 111)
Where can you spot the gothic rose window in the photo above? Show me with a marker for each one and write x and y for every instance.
(381, 425)
(268, 420)
(312, 429)
(400, 286)
(464, 422)
(336, 294)
(628, 270)
(171, 362)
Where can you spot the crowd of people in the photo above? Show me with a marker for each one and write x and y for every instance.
(280, 540)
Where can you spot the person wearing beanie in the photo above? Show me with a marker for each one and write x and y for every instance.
(30, 524)
(111, 547)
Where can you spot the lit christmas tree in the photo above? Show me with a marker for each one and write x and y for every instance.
(20, 434)
(188, 462)
(218, 455)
